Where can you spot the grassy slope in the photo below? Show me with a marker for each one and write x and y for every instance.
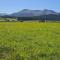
(29, 41)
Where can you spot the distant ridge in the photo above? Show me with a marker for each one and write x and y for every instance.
(28, 12)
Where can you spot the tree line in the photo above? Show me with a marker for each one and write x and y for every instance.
(50, 17)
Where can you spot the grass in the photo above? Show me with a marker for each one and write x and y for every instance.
(29, 41)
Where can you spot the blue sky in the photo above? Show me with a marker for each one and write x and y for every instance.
(9, 6)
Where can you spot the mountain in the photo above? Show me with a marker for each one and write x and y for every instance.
(23, 13)
(3, 14)
(29, 13)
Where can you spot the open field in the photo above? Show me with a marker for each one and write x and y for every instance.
(29, 41)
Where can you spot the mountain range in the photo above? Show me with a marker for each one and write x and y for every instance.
(30, 13)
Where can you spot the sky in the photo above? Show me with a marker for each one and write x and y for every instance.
(10, 6)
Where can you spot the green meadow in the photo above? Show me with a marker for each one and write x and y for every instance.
(29, 41)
